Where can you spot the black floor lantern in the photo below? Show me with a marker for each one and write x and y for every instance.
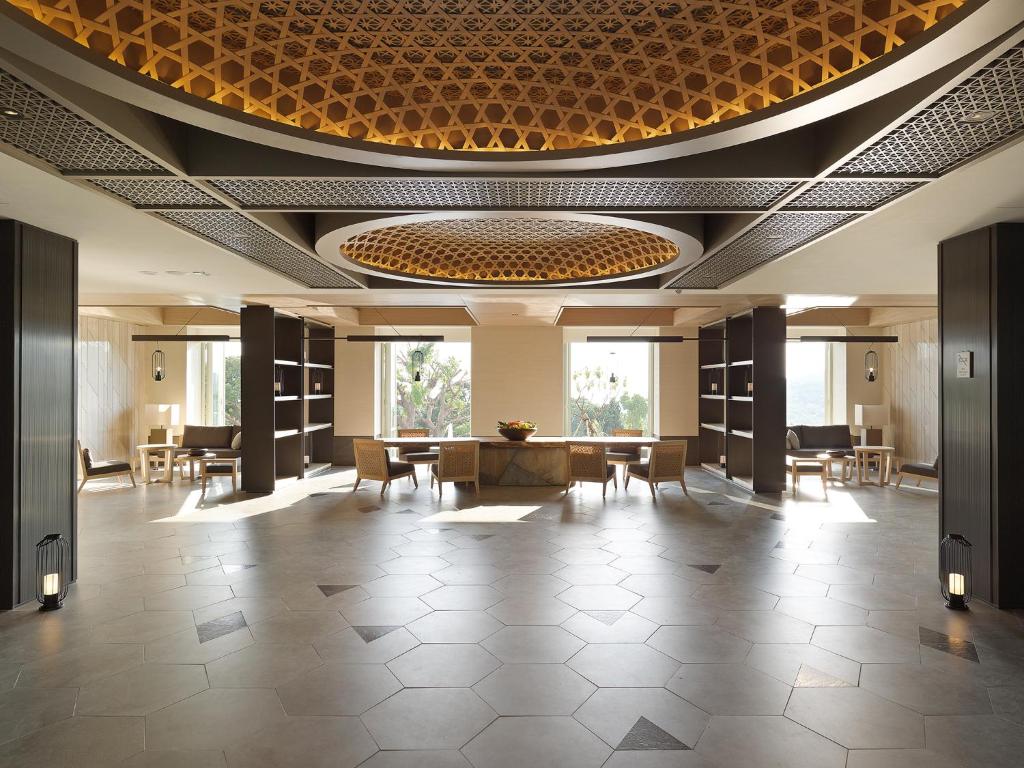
(955, 571)
(53, 558)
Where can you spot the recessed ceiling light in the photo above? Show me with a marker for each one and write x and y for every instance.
(978, 116)
(11, 113)
(147, 271)
(774, 237)
(200, 273)
(174, 272)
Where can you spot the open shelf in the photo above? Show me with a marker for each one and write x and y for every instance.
(747, 433)
(714, 469)
(713, 427)
(321, 366)
(713, 397)
(292, 363)
(319, 397)
(316, 427)
(709, 366)
(741, 362)
(280, 433)
(741, 398)
(285, 398)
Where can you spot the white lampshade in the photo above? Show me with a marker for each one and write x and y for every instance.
(162, 414)
(871, 415)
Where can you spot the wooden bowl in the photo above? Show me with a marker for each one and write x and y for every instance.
(516, 434)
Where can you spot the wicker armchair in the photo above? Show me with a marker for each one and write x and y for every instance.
(373, 463)
(419, 453)
(667, 465)
(624, 454)
(458, 462)
(588, 463)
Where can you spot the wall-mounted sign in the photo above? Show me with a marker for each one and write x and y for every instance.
(965, 365)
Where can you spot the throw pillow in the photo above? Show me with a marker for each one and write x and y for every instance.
(792, 441)
(236, 442)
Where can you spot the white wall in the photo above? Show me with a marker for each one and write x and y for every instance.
(356, 386)
(518, 372)
(676, 386)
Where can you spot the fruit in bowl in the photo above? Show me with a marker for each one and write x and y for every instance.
(517, 429)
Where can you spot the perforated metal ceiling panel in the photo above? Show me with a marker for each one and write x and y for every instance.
(246, 238)
(159, 193)
(686, 194)
(768, 240)
(938, 138)
(845, 195)
(49, 131)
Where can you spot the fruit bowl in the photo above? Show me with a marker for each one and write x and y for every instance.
(196, 451)
(517, 430)
(510, 433)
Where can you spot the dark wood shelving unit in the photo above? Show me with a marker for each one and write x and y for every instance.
(287, 397)
(740, 425)
(318, 387)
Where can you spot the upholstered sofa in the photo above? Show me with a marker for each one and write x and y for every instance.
(219, 440)
(831, 438)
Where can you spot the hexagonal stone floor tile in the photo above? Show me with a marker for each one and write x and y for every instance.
(142, 690)
(623, 665)
(533, 645)
(442, 665)
(613, 714)
(730, 689)
(856, 718)
(513, 742)
(336, 690)
(428, 718)
(763, 741)
(534, 689)
(214, 719)
(454, 627)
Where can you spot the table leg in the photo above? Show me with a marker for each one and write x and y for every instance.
(858, 465)
(144, 462)
(826, 473)
(169, 465)
(191, 470)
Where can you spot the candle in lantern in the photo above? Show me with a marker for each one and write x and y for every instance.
(714, 387)
(956, 584)
(51, 584)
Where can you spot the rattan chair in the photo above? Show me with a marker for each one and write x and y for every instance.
(419, 453)
(666, 465)
(624, 455)
(373, 463)
(458, 461)
(588, 463)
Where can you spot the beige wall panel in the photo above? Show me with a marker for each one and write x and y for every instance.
(108, 387)
(356, 385)
(677, 385)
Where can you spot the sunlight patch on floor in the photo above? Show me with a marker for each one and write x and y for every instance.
(500, 513)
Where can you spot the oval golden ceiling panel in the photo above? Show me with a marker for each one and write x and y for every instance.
(509, 250)
(493, 75)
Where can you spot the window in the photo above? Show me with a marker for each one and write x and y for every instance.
(808, 383)
(440, 400)
(609, 388)
(214, 372)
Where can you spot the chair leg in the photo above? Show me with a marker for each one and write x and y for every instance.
(202, 484)
(234, 481)
(899, 479)
(81, 485)
(653, 496)
(131, 476)
(358, 481)
(476, 484)
(415, 482)
(682, 482)
(440, 491)
(604, 489)
(625, 480)
(384, 487)
(615, 482)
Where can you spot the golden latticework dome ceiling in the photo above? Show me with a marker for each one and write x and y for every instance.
(509, 250)
(492, 74)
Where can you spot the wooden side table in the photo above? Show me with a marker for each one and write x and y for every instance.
(166, 450)
(206, 469)
(862, 455)
(818, 465)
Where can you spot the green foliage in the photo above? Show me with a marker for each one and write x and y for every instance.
(441, 397)
(233, 390)
(597, 406)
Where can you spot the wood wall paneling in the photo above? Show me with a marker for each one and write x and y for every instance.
(110, 399)
(911, 377)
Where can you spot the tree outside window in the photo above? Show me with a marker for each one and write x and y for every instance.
(609, 388)
(440, 400)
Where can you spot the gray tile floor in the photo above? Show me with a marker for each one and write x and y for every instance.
(320, 627)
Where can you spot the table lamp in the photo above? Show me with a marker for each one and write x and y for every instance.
(871, 419)
(162, 418)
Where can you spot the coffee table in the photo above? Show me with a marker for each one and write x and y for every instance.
(862, 455)
(165, 450)
(209, 467)
(191, 460)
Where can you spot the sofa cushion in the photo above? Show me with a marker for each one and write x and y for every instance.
(236, 441)
(828, 436)
(107, 467)
(196, 436)
(921, 469)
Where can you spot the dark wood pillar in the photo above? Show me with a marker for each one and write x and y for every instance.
(981, 414)
(39, 307)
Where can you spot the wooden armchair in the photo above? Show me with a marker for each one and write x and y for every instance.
(667, 465)
(624, 455)
(419, 453)
(91, 470)
(373, 463)
(458, 462)
(588, 463)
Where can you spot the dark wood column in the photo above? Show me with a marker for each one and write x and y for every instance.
(981, 414)
(39, 306)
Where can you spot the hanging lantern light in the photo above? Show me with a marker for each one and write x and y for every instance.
(159, 365)
(417, 362)
(871, 365)
(955, 571)
(53, 556)
(612, 379)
